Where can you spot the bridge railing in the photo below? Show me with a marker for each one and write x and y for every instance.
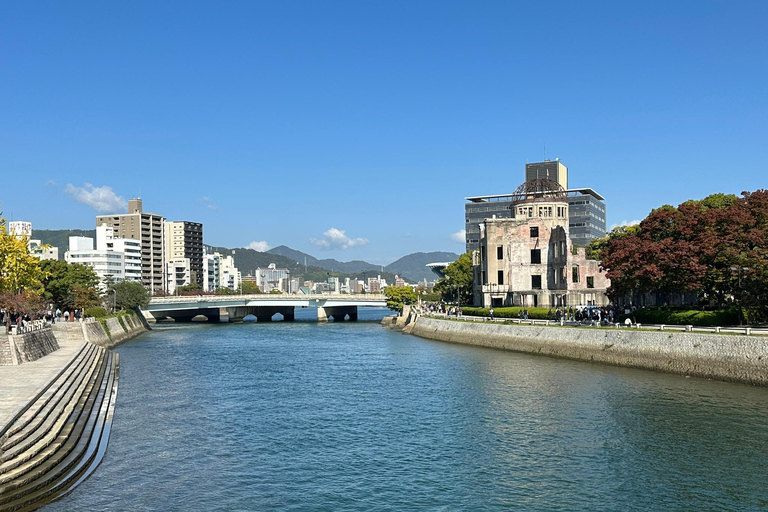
(269, 296)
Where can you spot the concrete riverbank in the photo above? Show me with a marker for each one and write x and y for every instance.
(734, 358)
(57, 399)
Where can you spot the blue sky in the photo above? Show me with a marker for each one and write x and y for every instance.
(354, 130)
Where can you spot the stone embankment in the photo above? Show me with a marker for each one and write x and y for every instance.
(22, 348)
(56, 439)
(734, 358)
(107, 333)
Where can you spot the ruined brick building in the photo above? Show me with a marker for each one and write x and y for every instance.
(528, 259)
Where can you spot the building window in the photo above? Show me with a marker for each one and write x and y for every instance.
(482, 277)
(575, 274)
(590, 282)
(535, 256)
(534, 231)
(500, 252)
(536, 282)
(500, 276)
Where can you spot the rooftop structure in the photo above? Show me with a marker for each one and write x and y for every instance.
(586, 206)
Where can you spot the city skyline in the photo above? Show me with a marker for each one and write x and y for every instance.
(356, 131)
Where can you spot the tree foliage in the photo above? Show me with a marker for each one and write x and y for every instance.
(69, 285)
(250, 288)
(127, 295)
(717, 247)
(19, 270)
(399, 296)
(192, 288)
(458, 280)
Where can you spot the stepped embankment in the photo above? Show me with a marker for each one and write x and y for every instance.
(56, 409)
(734, 358)
(58, 432)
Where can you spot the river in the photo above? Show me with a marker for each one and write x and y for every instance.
(351, 416)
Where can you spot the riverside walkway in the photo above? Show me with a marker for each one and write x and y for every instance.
(732, 329)
(19, 384)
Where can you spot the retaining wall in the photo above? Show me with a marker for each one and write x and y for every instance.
(95, 333)
(23, 348)
(723, 357)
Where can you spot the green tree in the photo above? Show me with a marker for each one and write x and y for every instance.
(193, 288)
(127, 295)
(69, 285)
(225, 291)
(458, 280)
(249, 288)
(398, 296)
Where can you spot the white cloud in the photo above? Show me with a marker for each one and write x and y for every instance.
(337, 239)
(102, 199)
(208, 202)
(460, 236)
(625, 223)
(258, 246)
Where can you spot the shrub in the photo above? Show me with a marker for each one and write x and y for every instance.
(677, 316)
(95, 311)
(533, 313)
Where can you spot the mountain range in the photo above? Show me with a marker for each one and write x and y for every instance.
(411, 267)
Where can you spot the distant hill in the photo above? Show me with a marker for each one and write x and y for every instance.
(330, 264)
(411, 267)
(415, 265)
(60, 237)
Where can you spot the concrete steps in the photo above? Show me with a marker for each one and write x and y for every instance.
(62, 436)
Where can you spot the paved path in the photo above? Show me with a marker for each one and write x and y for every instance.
(20, 383)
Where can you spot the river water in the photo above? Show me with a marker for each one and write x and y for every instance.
(352, 417)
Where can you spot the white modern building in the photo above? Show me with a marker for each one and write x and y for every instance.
(131, 249)
(20, 229)
(42, 252)
(179, 274)
(106, 265)
(114, 259)
(211, 272)
(268, 279)
(219, 271)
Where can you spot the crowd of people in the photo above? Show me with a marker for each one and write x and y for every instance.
(10, 318)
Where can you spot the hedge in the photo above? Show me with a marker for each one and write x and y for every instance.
(534, 313)
(687, 317)
(96, 312)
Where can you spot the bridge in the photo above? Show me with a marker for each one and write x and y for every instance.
(233, 308)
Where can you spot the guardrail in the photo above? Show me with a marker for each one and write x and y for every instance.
(268, 296)
(763, 331)
(31, 326)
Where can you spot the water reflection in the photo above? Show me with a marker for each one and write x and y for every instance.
(300, 416)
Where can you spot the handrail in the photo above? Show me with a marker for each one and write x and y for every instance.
(269, 296)
(29, 326)
(660, 327)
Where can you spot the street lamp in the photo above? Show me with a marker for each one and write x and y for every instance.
(114, 300)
